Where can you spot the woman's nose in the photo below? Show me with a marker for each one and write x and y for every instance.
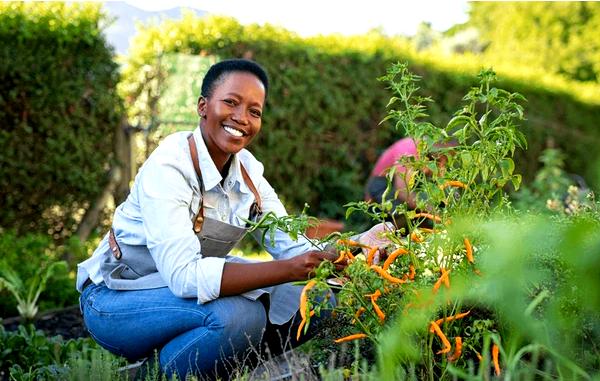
(239, 116)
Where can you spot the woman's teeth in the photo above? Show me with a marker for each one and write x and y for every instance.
(233, 131)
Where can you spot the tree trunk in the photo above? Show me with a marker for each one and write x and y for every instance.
(90, 219)
(123, 155)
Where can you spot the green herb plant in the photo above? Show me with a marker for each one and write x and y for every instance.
(27, 293)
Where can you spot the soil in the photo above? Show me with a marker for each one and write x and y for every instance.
(66, 322)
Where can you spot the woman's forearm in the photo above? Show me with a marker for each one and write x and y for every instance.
(238, 278)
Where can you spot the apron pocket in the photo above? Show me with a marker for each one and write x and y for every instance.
(214, 247)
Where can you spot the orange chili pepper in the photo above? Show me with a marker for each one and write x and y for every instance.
(415, 238)
(429, 216)
(302, 323)
(438, 331)
(384, 274)
(453, 183)
(457, 349)
(356, 336)
(341, 257)
(375, 295)
(450, 318)
(495, 350)
(443, 278)
(412, 272)
(371, 255)
(349, 242)
(469, 250)
(390, 259)
(304, 298)
(378, 310)
(349, 255)
(359, 312)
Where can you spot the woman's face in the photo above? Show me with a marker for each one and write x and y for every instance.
(232, 115)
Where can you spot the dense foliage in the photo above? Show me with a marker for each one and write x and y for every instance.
(58, 113)
(561, 37)
(321, 132)
(466, 287)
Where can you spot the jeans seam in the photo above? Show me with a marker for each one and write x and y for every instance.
(102, 343)
(147, 310)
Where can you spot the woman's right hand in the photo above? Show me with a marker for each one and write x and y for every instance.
(304, 266)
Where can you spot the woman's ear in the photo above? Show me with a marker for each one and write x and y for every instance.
(202, 107)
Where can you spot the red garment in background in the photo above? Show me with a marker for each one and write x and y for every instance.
(403, 147)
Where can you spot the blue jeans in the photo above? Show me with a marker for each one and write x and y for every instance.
(204, 339)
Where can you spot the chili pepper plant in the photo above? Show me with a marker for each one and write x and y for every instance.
(428, 296)
(412, 272)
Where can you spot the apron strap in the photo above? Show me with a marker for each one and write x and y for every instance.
(255, 209)
(199, 219)
(114, 246)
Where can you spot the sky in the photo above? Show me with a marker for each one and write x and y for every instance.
(311, 17)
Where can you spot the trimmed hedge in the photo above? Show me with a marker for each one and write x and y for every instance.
(58, 112)
(321, 131)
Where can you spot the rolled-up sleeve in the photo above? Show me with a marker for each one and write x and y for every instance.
(164, 195)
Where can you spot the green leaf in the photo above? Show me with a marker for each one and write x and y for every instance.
(507, 166)
(466, 158)
(460, 120)
(516, 181)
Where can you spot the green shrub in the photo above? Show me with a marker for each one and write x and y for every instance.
(58, 113)
(321, 132)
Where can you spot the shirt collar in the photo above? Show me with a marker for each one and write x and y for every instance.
(210, 174)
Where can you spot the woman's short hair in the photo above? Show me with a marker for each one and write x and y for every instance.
(217, 73)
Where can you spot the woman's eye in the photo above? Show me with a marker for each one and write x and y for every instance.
(256, 113)
(230, 102)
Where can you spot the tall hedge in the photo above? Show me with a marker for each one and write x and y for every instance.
(58, 112)
(321, 131)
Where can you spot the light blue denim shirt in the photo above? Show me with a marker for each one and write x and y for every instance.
(162, 204)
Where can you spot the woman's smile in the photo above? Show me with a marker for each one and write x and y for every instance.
(234, 131)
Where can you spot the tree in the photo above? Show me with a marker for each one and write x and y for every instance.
(561, 37)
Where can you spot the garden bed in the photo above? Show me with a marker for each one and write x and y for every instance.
(66, 322)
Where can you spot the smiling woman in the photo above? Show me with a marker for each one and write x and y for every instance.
(162, 278)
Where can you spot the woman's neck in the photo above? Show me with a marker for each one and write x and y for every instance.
(220, 159)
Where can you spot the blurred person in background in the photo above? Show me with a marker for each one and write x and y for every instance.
(389, 160)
